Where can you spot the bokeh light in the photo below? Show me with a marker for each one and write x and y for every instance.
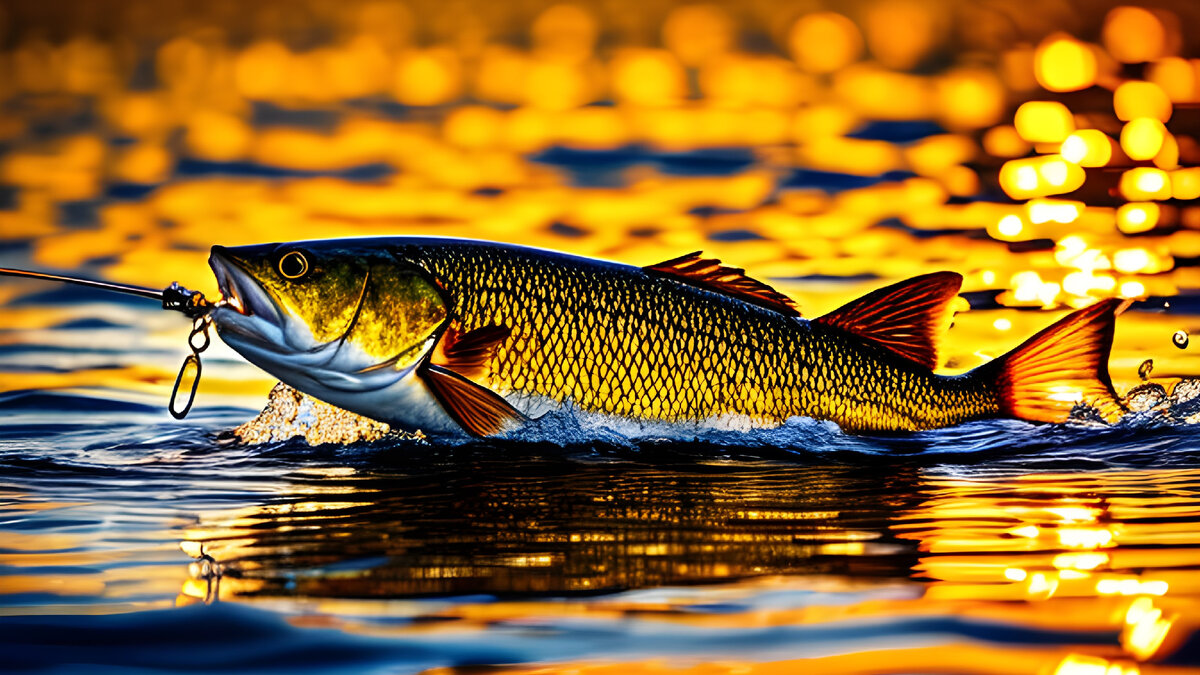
(796, 140)
(1043, 122)
(1143, 138)
(1135, 99)
(1088, 147)
(1136, 35)
(823, 42)
(1063, 63)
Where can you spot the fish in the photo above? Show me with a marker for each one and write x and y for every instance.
(466, 337)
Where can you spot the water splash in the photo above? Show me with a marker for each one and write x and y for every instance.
(291, 416)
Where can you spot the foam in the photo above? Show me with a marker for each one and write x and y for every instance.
(1151, 405)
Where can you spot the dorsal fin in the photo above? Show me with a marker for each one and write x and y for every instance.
(905, 317)
(468, 353)
(710, 274)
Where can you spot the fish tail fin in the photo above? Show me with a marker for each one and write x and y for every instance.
(1063, 365)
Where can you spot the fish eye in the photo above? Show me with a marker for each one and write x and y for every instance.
(293, 265)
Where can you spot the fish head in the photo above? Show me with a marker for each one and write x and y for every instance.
(331, 319)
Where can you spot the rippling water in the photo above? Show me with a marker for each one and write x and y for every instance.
(994, 547)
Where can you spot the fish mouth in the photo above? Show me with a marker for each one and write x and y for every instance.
(241, 293)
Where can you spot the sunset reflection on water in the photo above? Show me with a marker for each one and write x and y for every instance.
(802, 145)
(1092, 555)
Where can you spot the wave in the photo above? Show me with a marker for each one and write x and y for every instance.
(1158, 431)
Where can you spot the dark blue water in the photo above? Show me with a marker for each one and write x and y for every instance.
(131, 542)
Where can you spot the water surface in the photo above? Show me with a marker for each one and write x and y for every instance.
(131, 540)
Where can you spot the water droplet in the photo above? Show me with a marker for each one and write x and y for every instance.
(1145, 368)
(1180, 338)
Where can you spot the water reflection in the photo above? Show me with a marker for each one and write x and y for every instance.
(1110, 550)
(1119, 533)
(1069, 558)
(514, 525)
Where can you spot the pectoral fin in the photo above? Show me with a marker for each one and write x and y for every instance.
(468, 353)
(475, 408)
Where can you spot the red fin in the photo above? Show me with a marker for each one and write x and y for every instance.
(477, 409)
(906, 317)
(468, 353)
(710, 274)
(1065, 364)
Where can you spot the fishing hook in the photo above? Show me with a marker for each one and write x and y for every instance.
(199, 329)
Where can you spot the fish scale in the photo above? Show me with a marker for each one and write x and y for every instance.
(456, 335)
(614, 339)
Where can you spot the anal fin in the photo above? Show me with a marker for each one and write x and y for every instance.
(906, 318)
(475, 408)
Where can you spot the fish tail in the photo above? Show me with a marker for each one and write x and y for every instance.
(1065, 364)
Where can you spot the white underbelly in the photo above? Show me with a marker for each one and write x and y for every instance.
(407, 404)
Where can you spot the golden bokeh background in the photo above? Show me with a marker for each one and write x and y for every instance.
(1048, 153)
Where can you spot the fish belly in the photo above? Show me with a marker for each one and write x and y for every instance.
(409, 405)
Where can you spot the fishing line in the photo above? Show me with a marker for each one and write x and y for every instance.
(191, 303)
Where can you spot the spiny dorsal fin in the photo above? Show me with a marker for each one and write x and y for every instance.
(479, 410)
(1065, 364)
(906, 317)
(468, 353)
(710, 274)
